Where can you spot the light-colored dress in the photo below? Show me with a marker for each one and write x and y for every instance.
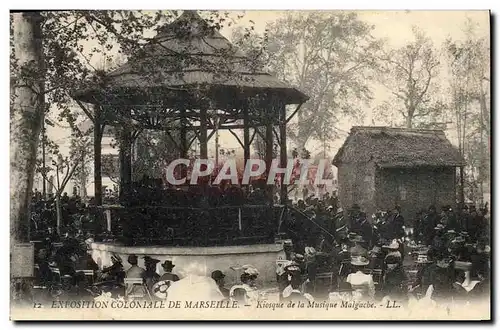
(362, 283)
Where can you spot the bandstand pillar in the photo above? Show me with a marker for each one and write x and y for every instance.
(125, 162)
(203, 134)
(269, 155)
(283, 152)
(246, 136)
(183, 140)
(97, 155)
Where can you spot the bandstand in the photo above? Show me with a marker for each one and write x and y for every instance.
(191, 80)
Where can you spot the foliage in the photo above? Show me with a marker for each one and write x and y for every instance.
(410, 74)
(469, 90)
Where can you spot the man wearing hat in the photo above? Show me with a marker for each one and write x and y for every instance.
(218, 276)
(429, 223)
(151, 276)
(425, 272)
(376, 256)
(168, 266)
(439, 240)
(134, 271)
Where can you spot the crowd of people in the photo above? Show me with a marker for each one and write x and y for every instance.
(440, 255)
(330, 254)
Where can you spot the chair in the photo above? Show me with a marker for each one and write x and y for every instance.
(56, 275)
(377, 276)
(131, 283)
(323, 276)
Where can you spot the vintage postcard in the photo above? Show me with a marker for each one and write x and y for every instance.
(250, 165)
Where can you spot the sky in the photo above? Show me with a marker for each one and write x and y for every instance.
(394, 26)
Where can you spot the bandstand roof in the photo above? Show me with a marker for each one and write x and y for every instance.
(186, 54)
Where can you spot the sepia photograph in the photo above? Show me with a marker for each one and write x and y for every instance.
(250, 165)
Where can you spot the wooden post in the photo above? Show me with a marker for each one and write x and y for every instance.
(98, 128)
(183, 133)
(283, 152)
(203, 134)
(125, 163)
(246, 136)
(269, 153)
(183, 138)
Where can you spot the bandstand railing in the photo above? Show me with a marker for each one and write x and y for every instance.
(192, 226)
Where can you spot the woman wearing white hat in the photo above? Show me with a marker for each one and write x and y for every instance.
(359, 279)
(246, 292)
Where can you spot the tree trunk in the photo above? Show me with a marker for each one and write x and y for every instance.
(26, 122)
(409, 121)
(58, 212)
(83, 182)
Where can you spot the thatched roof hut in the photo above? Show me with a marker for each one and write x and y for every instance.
(398, 147)
(379, 167)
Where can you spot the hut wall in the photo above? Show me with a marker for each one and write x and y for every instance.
(357, 185)
(414, 189)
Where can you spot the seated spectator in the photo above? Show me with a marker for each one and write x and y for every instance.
(248, 279)
(150, 276)
(359, 279)
(344, 293)
(218, 276)
(358, 249)
(168, 267)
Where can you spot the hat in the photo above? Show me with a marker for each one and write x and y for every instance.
(167, 264)
(352, 235)
(217, 274)
(464, 233)
(451, 231)
(394, 245)
(423, 259)
(149, 260)
(298, 257)
(458, 239)
(393, 258)
(292, 268)
(132, 259)
(310, 250)
(250, 270)
(439, 226)
(359, 261)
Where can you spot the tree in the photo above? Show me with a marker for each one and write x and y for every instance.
(410, 74)
(469, 89)
(27, 112)
(63, 167)
(330, 57)
(83, 169)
